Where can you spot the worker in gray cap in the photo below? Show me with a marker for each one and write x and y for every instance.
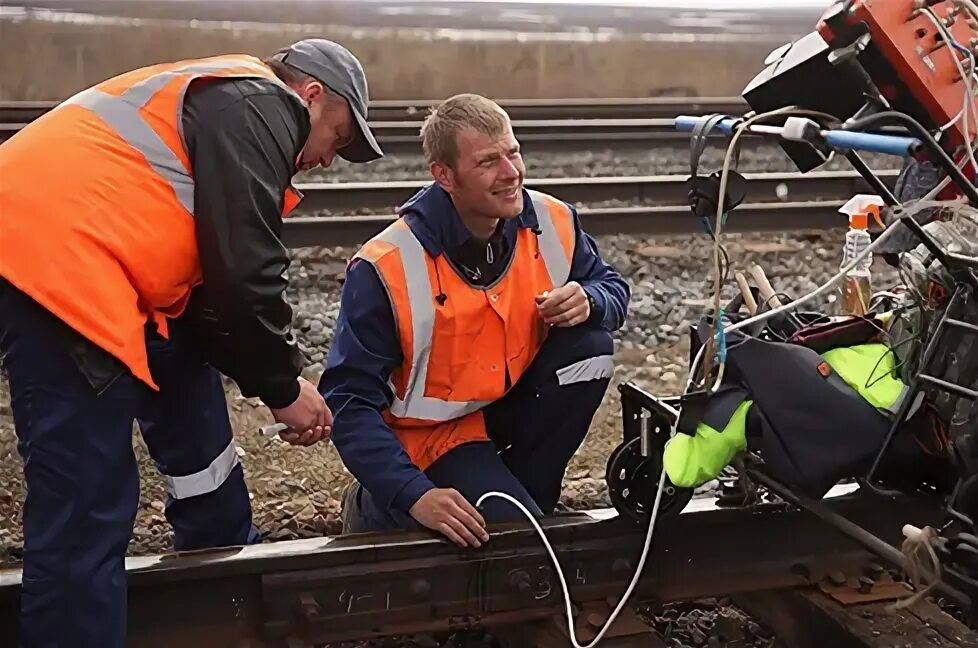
(163, 268)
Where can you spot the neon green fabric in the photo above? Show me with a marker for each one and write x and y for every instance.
(693, 460)
(690, 461)
(870, 370)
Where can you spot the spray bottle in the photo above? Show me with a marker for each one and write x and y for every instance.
(856, 289)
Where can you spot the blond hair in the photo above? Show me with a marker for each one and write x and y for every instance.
(441, 128)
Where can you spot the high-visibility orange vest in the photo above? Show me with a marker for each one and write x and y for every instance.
(457, 350)
(110, 245)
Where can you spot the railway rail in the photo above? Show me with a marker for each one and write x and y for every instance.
(310, 231)
(775, 202)
(549, 136)
(658, 189)
(19, 112)
(309, 592)
(548, 126)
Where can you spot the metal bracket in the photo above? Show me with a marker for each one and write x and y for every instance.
(874, 584)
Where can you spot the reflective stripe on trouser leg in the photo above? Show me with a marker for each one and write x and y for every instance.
(543, 421)
(587, 369)
(207, 480)
(188, 433)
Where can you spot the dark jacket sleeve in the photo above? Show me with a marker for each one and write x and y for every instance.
(600, 280)
(243, 154)
(364, 352)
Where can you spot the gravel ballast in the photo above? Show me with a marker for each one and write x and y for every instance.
(296, 491)
(658, 160)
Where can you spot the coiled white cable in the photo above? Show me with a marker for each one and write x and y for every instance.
(968, 109)
(560, 573)
(662, 478)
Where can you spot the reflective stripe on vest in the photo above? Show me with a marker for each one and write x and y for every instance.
(421, 297)
(122, 231)
(122, 114)
(553, 253)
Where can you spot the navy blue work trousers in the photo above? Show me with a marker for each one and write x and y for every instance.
(534, 431)
(73, 409)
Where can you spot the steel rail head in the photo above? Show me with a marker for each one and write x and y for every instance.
(775, 187)
(305, 231)
(370, 585)
(406, 110)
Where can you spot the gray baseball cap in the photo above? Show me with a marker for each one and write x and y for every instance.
(339, 69)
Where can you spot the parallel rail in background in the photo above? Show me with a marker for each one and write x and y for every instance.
(14, 112)
(775, 202)
(309, 592)
(662, 220)
(342, 197)
(541, 125)
(535, 136)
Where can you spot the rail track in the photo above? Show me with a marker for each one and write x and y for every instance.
(658, 189)
(548, 136)
(778, 201)
(546, 126)
(540, 125)
(309, 592)
(775, 202)
(306, 231)
(21, 112)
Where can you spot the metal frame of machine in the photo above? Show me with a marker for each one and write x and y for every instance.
(892, 67)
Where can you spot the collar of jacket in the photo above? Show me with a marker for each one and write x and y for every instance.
(431, 215)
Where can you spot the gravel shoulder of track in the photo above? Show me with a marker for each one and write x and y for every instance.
(295, 491)
(657, 160)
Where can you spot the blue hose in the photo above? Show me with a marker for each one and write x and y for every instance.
(872, 142)
(841, 139)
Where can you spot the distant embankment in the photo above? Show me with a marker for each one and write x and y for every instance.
(50, 60)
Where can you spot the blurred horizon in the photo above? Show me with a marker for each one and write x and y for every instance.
(419, 48)
(658, 20)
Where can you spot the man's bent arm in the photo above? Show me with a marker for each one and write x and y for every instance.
(243, 155)
(600, 280)
(364, 351)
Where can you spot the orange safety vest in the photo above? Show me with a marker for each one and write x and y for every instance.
(113, 245)
(457, 350)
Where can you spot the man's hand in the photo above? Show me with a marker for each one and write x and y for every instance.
(308, 418)
(446, 511)
(564, 306)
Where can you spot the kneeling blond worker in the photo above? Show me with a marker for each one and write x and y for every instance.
(474, 341)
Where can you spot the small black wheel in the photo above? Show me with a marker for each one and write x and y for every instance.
(633, 481)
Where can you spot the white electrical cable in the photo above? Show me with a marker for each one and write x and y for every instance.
(818, 291)
(677, 412)
(969, 100)
(662, 478)
(740, 128)
(560, 574)
(970, 6)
